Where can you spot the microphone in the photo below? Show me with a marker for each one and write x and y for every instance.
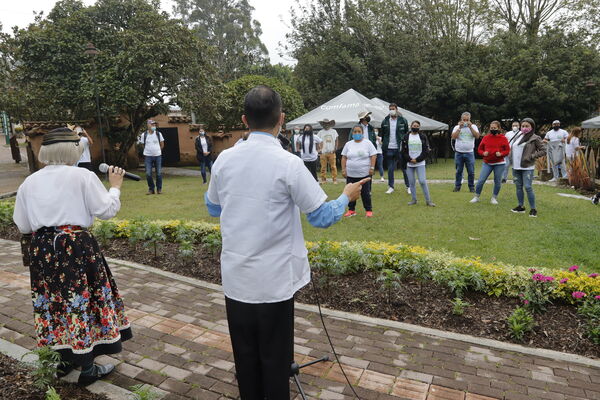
(104, 169)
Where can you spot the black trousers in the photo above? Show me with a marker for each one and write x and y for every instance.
(312, 167)
(365, 194)
(262, 337)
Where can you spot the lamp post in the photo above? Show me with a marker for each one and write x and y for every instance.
(92, 51)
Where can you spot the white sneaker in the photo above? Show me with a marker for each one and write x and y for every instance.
(552, 180)
(494, 201)
(390, 190)
(382, 180)
(408, 190)
(475, 200)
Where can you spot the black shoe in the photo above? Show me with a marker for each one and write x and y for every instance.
(98, 372)
(150, 192)
(533, 213)
(518, 209)
(503, 180)
(64, 369)
(456, 189)
(472, 190)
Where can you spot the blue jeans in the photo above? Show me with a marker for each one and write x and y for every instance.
(524, 178)
(507, 166)
(420, 172)
(393, 157)
(460, 160)
(155, 161)
(379, 164)
(204, 164)
(486, 170)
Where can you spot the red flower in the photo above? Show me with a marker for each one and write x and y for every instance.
(104, 322)
(86, 294)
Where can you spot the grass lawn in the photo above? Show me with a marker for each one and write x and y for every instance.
(566, 232)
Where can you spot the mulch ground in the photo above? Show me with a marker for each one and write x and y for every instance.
(16, 383)
(559, 328)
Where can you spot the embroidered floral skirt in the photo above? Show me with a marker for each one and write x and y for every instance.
(76, 304)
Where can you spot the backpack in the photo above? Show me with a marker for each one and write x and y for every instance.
(140, 146)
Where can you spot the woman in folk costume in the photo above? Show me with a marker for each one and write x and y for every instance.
(77, 308)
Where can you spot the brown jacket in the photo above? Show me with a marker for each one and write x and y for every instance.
(534, 149)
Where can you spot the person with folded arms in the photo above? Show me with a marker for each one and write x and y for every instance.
(77, 308)
(494, 148)
(258, 189)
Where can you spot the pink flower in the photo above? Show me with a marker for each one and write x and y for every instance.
(574, 268)
(525, 301)
(597, 297)
(578, 295)
(537, 277)
(521, 295)
(548, 278)
(592, 275)
(532, 270)
(564, 280)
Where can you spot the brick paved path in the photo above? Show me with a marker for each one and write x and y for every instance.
(181, 345)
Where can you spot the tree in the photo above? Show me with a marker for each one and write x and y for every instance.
(237, 89)
(227, 25)
(144, 65)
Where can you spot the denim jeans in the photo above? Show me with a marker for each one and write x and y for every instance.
(507, 167)
(524, 178)
(420, 172)
(460, 160)
(393, 157)
(155, 161)
(559, 170)
(204, 164)
(486, 170)
(379, 164)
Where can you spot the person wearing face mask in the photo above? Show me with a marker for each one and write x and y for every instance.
(329, 136)
(494, 148)
(527, 147)
(465, 134)
(510, 135)
(415, 148)
(358, 163)
(393, 130)
(556, 140)
(310, 145)
(294, 142)
(364, 119)
(259, 190)
(153, 143)
(203, 144)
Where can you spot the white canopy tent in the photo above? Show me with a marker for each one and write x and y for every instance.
(427, 124)
(593, 123)
(344, 110)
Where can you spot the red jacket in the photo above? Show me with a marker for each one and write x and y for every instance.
(492, 144)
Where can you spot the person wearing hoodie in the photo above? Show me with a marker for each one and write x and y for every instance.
(493, 147)
(526, 148)
(414, 149)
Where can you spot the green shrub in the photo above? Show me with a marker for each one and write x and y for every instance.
(390, 280)
(51, 394)
(459, 306)
(520, 322)
(590, 310)
(45, 367)
(6, 212)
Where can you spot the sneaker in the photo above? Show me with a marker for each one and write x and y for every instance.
(150, 192)
(430, 204)
(552, 180)
(382, 180)
(412, 202)
(596, 199)
(475, 200)
(159, 191)
(350, 213)
(494, 201)
(98, 372)
(408, 190)
(518, 209)
(533, 213)
(369, 214)
(456, 189)
(390, 190)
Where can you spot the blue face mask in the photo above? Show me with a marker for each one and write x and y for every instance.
(357, 136)
(153, 129)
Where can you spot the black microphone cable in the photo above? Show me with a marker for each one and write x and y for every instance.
(329, 339)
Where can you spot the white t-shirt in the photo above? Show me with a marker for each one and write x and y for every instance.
(517, 154)
(81, 198)
(510, 135)
(415, 148)
(152, 147)
(203, 144)
(379, 144)
(465, 142)
(556, 136)
(393, 142)
(359, 154)
(85, 156)
(304, 152)
(328, 137)
(262, 189)
(571, 148)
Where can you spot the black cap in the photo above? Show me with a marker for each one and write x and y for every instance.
(60, 135)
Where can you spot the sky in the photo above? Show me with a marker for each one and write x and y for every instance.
(274, 17)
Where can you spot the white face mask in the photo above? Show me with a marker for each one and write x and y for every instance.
(515, 129)
(393, 113)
